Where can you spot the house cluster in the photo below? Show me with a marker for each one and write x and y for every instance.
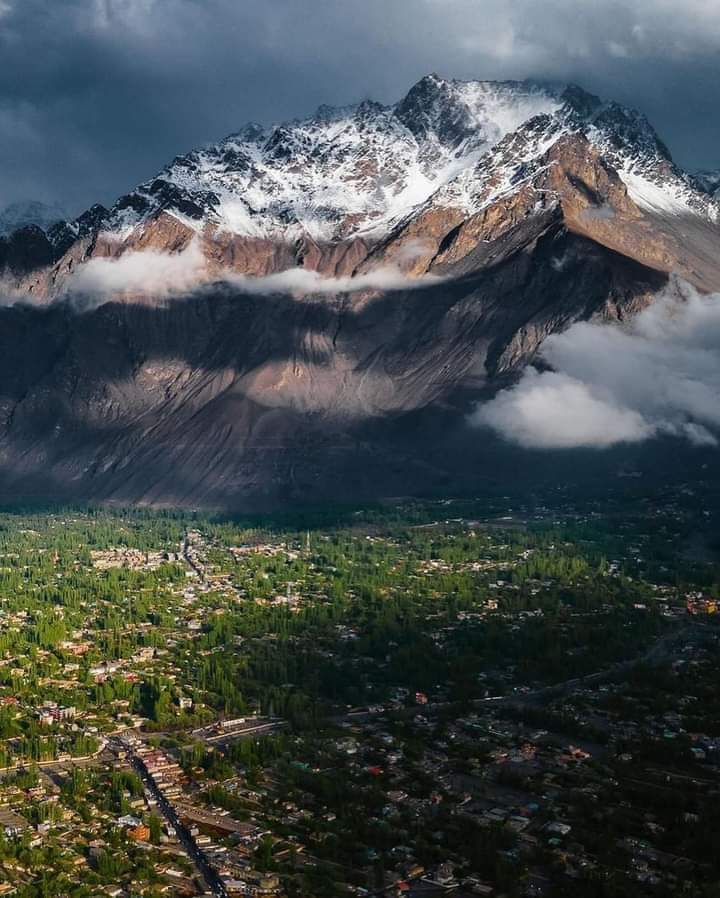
(50, 713)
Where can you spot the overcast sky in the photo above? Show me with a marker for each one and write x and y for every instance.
(96, 95)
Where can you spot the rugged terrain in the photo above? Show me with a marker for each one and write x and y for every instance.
(311, 309)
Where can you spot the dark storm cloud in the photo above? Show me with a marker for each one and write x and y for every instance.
(97, 94)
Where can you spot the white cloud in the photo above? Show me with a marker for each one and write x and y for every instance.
(615, 385)
(146, 272)
(618, 28)
(159, 274)
(304, 281)
(414, 249)
(121, 13)
(620, 51)
(555, 411)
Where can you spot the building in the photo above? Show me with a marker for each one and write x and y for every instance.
(139, 833)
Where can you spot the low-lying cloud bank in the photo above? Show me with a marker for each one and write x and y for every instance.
(304, 281)
(613, 384)
(161, 274)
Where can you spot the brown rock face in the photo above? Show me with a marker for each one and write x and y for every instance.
(596, 204)
(593, 202)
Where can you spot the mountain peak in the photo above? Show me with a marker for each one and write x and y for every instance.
(359, 171)
(580, 101)
(455, 110)
(328, 274)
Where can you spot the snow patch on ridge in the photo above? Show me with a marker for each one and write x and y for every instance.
(667, 198)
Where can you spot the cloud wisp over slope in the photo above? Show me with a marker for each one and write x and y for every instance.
(611, 384)
(149, 271)
(160, 275)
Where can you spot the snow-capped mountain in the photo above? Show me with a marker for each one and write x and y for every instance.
(345, 171)
(709, 182)
(359, 170)
(267, 313)
(353, 176)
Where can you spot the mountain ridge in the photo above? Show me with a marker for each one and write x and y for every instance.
(381, 265)
(424, 149)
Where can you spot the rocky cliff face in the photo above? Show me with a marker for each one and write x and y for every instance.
(356, 275)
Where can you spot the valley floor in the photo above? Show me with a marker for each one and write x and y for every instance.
(465, 697)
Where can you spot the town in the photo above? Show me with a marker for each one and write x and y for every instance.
(419, 698)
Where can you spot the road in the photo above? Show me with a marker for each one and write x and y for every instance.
(183, 833)
(259, 727)
(659, 651)
(187, 555)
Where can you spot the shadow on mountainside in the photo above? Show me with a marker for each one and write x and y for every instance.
(220, 396)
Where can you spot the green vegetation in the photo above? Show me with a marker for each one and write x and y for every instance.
(409, 664)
